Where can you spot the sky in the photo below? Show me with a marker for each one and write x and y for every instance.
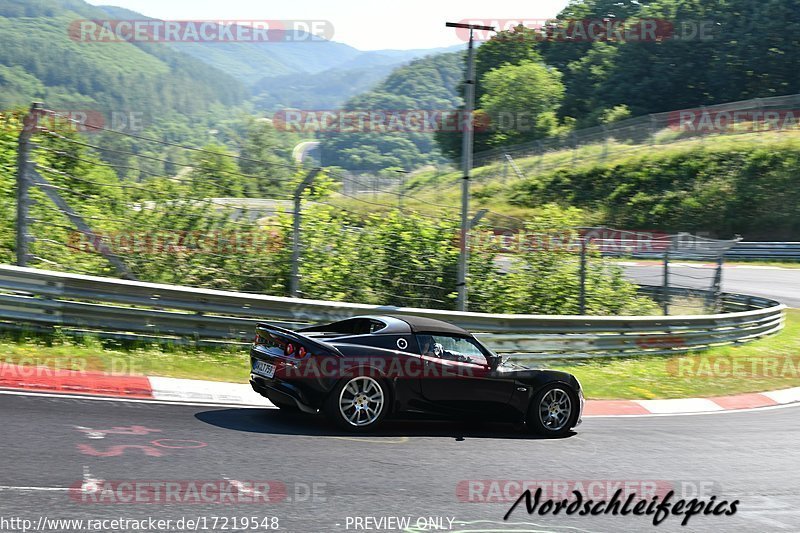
(364, 24)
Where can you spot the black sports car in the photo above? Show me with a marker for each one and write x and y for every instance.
(360, 370)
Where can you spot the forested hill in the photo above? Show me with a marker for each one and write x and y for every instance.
(430, 83)
(38, 59)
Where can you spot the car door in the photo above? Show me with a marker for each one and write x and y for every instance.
(457, 377)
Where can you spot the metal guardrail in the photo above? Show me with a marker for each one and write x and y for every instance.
(644, 248)
(777, 251)
(32, 299)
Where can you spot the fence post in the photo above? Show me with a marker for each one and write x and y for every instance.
(716, 289)
(294, 281)
(665, 285)
(582, 295)
(653, 128)
(29, 124)
(402, 188)
(605, 141)
(574, 139)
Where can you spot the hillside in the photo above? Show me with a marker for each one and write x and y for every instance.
(39, 60)
(723, 185)
(430, 83)
(331, 88)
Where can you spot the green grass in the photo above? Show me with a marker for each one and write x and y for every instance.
(632, 378)
(661, 377)
(91, 355)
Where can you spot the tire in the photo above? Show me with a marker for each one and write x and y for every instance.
(358, 404)
(546, 414)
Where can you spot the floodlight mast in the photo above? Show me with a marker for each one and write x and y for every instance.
(466, 159)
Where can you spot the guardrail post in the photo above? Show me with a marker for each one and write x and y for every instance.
(294, 280)
(29, 124)
(665, 285)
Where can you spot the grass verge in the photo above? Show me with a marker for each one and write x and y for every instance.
(765, 364)
(92, 355)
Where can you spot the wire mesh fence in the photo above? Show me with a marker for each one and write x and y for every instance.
(210, 223)
(599, 143)
(736, 121)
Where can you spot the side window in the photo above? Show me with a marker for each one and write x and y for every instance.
(451, 348)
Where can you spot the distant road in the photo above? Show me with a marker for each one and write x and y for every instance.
(781, 284)
(301, 150)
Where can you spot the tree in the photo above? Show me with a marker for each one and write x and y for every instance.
(265, 156)
(522, 101)
(216, 174)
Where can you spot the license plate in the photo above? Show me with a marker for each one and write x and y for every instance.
(263, 369)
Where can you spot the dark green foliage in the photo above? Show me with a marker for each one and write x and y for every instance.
(725, 188)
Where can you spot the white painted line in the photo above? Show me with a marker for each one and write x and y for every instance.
(37, 489)
(64, 396)
(683, 405)
(244, 488)
(268, 405)
(784, 395)
(90, 484)
(204, 391)
(725, 412)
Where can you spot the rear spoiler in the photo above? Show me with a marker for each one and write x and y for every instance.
(287, 335)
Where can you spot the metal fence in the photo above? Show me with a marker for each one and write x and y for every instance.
(626, 136)
(192, 229)
(40, 300)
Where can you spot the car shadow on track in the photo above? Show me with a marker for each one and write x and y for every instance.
(276, 422)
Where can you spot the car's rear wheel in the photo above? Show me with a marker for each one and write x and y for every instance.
(359, 403)
(554, 410)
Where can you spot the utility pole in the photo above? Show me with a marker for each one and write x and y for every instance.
(294, 280)
(665, 284)
(582, 294)
(466, 159)
(29, 124)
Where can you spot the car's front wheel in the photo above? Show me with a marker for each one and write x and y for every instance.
(359, 403)
(554, 410)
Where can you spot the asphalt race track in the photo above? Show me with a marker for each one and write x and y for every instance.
(782, 284)
(410, 469)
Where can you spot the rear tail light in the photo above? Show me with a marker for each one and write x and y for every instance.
(289, 350)
(301, 352)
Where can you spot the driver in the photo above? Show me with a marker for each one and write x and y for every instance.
(430, 348)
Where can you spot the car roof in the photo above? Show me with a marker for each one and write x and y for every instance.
(394, 325)
(421, 324)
